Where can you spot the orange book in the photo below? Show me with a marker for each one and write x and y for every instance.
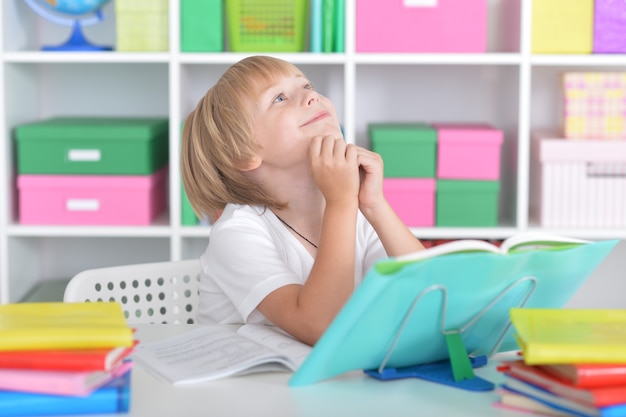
(592, 397)
(589, 375)
(65, 360)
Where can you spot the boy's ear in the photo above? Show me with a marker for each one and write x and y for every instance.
(251, 164)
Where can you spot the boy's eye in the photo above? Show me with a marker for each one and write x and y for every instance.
(279, 98)
(309, 86)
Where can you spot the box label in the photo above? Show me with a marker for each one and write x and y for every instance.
(82, 205)
(84, 155)
(420, 3)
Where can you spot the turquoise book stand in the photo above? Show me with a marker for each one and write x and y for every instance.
(457, 371)
(440, 317)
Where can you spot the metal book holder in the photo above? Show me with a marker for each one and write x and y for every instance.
(457, 371)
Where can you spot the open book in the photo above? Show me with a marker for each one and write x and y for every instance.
(211, 352)
(514, 244)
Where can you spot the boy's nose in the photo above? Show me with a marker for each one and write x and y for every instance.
(312, 98)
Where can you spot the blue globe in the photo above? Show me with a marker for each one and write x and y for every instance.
(76, 13)
(74, 7)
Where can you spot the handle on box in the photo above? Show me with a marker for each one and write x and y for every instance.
(82, 204)
(84, 155)
(606, 169)
(420, 3)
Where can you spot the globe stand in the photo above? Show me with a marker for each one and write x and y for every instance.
(77, 42)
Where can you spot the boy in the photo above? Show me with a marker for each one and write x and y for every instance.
(299, 215)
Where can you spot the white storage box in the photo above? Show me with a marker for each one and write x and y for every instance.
(578, 183)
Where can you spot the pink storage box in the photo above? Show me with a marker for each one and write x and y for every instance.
(609, 26)
(468, 151)
(91, 199)
(413, 199)
(577, 183)
(421, 26)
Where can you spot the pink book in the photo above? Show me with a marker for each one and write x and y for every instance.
(80, 383)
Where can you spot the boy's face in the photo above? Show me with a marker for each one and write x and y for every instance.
(287, 115)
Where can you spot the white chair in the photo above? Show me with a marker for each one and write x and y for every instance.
(158, 292)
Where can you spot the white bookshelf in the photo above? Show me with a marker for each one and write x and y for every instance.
(507, 87)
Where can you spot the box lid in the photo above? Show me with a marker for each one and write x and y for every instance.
(94, 128)
(398, 132)
(409, 184)
(554, 148)
(467, 133)
(468, 186)
(118, 182)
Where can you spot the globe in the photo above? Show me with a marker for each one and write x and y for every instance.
(74, 13)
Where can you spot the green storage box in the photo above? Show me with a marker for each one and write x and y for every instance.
(409, 150)
(467, 203)
(92, 145)
(201, 26)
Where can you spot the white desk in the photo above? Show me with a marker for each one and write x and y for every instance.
(260, 395)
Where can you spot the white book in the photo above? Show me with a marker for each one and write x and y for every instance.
(514, 244)
(211, 352)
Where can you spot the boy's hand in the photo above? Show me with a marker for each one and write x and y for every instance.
(371, 170)
(334, 167)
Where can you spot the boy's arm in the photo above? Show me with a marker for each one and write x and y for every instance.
(305, 311)
(393, 233)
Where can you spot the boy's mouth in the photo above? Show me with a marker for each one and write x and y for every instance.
(318, 116)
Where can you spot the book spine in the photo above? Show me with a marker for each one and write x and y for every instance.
(547, 353)
(316, 26)
(53, 362)
(328, 25)
(64, 360)
(340, 26)
(57, 382)
(55, 339)
(113, 398)
(601, 376)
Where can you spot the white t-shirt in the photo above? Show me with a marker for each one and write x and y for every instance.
(251, 253)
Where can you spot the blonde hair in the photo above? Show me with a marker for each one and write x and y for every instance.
(217, 139)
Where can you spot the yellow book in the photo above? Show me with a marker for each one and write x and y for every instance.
(57, 325)
(551, 336)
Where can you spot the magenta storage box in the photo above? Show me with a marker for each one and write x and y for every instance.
(468, 151)
(413, 199)
(421, 26)
(609, 26)
(577, 183)
(91, 199)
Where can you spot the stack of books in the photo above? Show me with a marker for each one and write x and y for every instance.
(573, 363)
(64, 358)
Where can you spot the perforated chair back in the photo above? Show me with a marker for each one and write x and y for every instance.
(159, 292)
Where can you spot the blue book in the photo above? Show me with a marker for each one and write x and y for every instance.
(316, 26)
(400, 314)
(537, 394)
(113, 397)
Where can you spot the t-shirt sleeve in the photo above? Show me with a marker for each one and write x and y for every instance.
(246, 264)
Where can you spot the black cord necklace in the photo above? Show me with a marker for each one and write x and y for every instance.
(295, 231)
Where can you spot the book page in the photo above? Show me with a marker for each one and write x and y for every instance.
(277, 340)
(207, 353)
(536, 241)
(456, 246)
